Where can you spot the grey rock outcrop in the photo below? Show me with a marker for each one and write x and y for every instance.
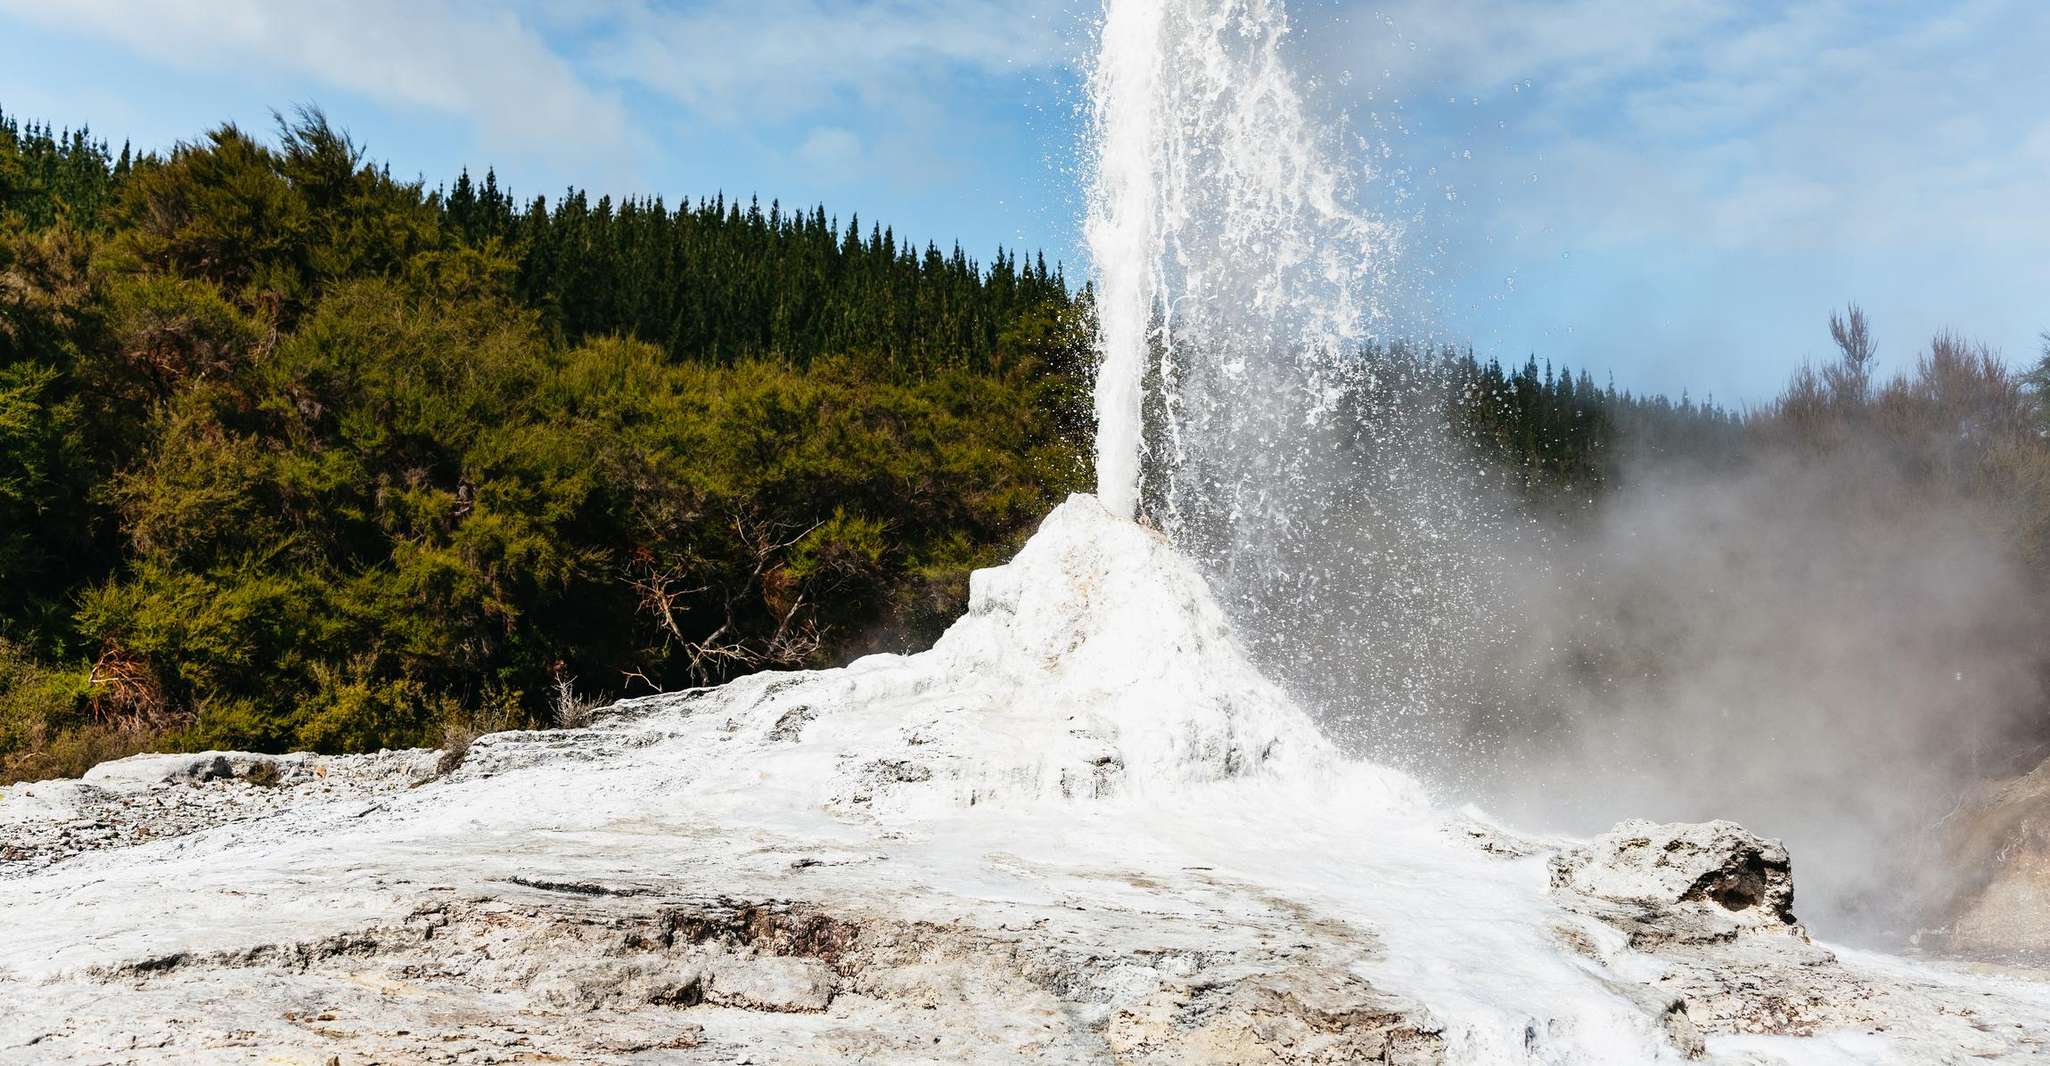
(1997, 848)
(1682, 880)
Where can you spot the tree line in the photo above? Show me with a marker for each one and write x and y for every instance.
(718, 280)
(296, 454)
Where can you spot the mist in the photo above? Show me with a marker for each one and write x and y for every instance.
(1827, 631)
(1817, 648)
(1832, 636)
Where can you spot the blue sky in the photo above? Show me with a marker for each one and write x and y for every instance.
(1677, 191)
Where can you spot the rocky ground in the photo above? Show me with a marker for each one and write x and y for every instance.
(2001, 835)
(1082, 828)
(153, 797)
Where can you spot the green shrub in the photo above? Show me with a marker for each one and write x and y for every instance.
(43, 726)
(301, 456)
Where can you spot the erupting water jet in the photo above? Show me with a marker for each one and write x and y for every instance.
(1233, 275)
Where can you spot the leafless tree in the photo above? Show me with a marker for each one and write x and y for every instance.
(663, 590)
(1851, 378)
(570, 711)
(666, 593)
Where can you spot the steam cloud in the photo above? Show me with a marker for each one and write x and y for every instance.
(1835, 645)
(1831, 644)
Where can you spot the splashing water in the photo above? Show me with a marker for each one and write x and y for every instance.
(1230, 268)
(1239, 288)
(1382, 571)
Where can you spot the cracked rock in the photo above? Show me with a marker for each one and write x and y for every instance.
(1696, 880)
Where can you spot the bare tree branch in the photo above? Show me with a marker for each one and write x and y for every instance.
(1853, 336)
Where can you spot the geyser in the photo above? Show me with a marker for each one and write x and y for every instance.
(1081, 828)
(1084, 826)
(1570, 676)
(1239, 289)
(1232, 274)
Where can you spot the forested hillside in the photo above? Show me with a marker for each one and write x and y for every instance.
(297, 454)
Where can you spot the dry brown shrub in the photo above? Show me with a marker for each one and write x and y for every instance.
(127, 698)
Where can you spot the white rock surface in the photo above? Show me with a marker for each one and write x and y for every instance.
(1700, 880)
(1080, 828)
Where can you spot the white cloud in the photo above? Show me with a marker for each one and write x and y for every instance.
(1827, 124)
(1684, 186)
(553, 77)
(830, 151)
(1489, 45)
(781, 57)
(486, 65)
